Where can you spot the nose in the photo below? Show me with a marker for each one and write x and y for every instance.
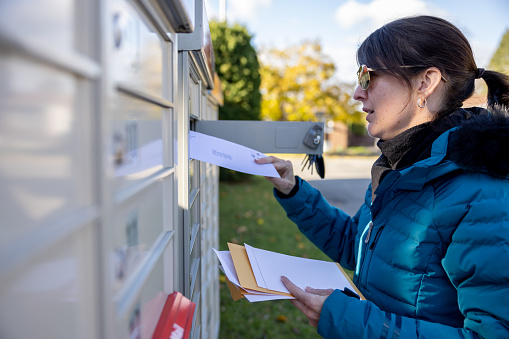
(359, 93)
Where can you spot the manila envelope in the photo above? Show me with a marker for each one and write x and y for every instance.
(356, 290)
(244, 272)
(235, 292)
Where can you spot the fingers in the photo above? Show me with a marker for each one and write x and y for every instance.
(286, 183)
(312, 315)
(313, 301)
(308, 303)
(322, 292)
(267, 160)
(284, 167)
(280, 164)
(295, 290)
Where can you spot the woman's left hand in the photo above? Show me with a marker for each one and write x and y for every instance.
(309, 301)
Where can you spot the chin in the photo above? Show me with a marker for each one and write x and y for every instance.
(372, 133)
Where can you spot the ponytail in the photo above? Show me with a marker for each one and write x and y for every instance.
(432, 42)
(498, 89)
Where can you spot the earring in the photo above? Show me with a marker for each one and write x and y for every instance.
(419, 102)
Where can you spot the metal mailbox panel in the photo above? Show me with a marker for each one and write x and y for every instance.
(194, 174)
(57, 285)
(209, 237)
(137, 141)
(137, 51)
(141, 319)
(39, 20)
(46, 172)
(270, 136)
(194, 95)
(138, 223)
(196, 331)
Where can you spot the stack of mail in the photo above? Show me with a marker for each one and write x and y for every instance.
(255, 274)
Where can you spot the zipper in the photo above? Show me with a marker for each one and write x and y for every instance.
(377, 235)
(368, 228)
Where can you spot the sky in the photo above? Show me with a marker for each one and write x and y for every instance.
(341, 25)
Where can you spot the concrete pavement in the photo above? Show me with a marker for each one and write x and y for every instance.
(346, 179)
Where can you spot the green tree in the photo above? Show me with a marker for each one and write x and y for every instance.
(298, 82)
(238, 69)
(500, 60)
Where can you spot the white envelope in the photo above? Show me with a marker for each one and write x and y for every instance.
(302, 272)
(229, 155)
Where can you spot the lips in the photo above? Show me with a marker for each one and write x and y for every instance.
(369, 113)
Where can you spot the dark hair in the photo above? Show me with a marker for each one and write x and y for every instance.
(429, 41)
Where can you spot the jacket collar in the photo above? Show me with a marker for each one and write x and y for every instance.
(480, 144)
(416, 176)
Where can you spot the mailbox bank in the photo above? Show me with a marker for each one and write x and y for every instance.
(102, 212)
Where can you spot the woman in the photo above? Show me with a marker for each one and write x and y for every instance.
(430, 245)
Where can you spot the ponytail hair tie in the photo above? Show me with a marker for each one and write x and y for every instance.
(480, 73)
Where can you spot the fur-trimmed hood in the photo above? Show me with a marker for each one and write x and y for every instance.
(482, 142)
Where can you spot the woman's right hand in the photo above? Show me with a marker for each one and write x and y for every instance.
(285, 170)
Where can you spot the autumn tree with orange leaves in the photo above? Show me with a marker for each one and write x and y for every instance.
(298, 82)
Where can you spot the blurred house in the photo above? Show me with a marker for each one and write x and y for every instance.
(339, 137)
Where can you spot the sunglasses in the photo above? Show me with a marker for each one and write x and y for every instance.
(364, 76)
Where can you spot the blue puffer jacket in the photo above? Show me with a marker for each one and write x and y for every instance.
(431, 253)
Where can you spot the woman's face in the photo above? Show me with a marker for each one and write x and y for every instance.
(391, 106)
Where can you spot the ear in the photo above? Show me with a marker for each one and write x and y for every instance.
(428, 81)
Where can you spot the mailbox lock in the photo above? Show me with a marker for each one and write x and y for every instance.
(313, 137)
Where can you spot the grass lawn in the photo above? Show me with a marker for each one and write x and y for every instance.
(250, 214)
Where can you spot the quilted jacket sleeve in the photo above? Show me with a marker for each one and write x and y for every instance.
(329, 228)
(346, 317)
(476, 261)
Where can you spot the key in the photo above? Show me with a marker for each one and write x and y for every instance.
(314, 161)
(320, 166)
(305, 161)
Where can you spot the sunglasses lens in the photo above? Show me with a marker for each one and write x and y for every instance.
(364, 77)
